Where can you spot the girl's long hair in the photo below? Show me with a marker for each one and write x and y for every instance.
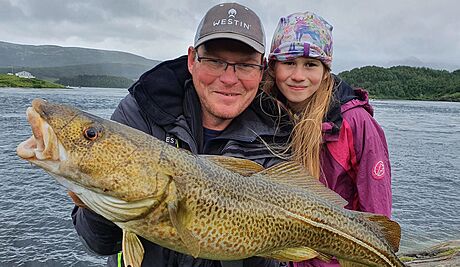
(306, 137)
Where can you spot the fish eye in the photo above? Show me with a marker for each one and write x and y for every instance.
(90, 133)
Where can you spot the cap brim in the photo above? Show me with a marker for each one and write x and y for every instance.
(228, 35)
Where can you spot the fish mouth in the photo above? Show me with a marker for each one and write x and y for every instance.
(43, 147)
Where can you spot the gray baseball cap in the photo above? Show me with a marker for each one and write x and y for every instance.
(232, 21)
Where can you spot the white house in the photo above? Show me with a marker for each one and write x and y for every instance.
(24, 74)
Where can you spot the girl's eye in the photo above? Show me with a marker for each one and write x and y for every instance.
(311, 64)
(289, 63)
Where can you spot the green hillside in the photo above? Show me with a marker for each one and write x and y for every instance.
(129, 71)
(51, 62)
(403, 82)
(14, 81)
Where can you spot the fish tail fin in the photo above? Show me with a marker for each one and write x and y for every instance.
(390, 230)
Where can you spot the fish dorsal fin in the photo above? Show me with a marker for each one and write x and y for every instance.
(295, 175)
(244, 167)
(388, 228)
(297, 254)
(133, 251)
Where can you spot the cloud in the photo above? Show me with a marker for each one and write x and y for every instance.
(365, 32)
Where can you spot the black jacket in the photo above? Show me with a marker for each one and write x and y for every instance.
(163, 103)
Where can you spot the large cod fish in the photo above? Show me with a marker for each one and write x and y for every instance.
(210, 207)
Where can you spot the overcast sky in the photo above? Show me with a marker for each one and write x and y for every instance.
(366, 32)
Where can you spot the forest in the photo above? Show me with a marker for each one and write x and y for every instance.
(403, 82)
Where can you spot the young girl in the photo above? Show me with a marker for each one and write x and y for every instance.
(335, 136)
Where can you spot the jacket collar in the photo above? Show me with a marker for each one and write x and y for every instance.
(344, 98)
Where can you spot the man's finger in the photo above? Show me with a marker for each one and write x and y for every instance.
(76, 199)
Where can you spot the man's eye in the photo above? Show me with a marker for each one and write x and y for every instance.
(215, 62)
(243, 66)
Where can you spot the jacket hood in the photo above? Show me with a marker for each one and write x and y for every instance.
(159, 92)
(344, 98)
(361, 100)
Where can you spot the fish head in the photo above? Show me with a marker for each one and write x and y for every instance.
(86, 152)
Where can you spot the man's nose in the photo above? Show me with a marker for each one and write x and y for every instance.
(229, 75)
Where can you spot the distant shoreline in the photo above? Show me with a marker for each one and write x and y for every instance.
(411, 99)
(76, 87)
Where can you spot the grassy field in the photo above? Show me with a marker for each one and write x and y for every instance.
(14, 81)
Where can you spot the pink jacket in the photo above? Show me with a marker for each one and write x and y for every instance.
(355, 161)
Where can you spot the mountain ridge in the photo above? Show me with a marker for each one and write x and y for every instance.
(52, 62)
(19, 55)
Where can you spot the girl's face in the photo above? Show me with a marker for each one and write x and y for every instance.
(298, 79)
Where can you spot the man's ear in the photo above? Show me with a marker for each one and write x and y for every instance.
(191, 58)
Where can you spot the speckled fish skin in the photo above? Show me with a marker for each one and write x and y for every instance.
(197, 206)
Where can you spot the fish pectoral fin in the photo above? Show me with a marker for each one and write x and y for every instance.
(345, 263)
(297, 254)
(244, 167)
(178, 219)
(133, 251)
(111, 208)
(388, 228)
(295, 175)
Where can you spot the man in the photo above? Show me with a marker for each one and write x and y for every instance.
(204, 102)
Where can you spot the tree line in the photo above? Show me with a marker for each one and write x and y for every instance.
(403, 82)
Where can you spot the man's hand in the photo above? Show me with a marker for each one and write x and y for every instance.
(76, 200)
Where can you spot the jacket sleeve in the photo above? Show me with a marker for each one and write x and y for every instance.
(98, 234)
(372, 163)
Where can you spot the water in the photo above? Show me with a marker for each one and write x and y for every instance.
(35, 224)
(424, 145)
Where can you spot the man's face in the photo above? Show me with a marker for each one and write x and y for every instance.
(226, 95)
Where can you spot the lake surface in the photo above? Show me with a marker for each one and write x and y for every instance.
(35, 224)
